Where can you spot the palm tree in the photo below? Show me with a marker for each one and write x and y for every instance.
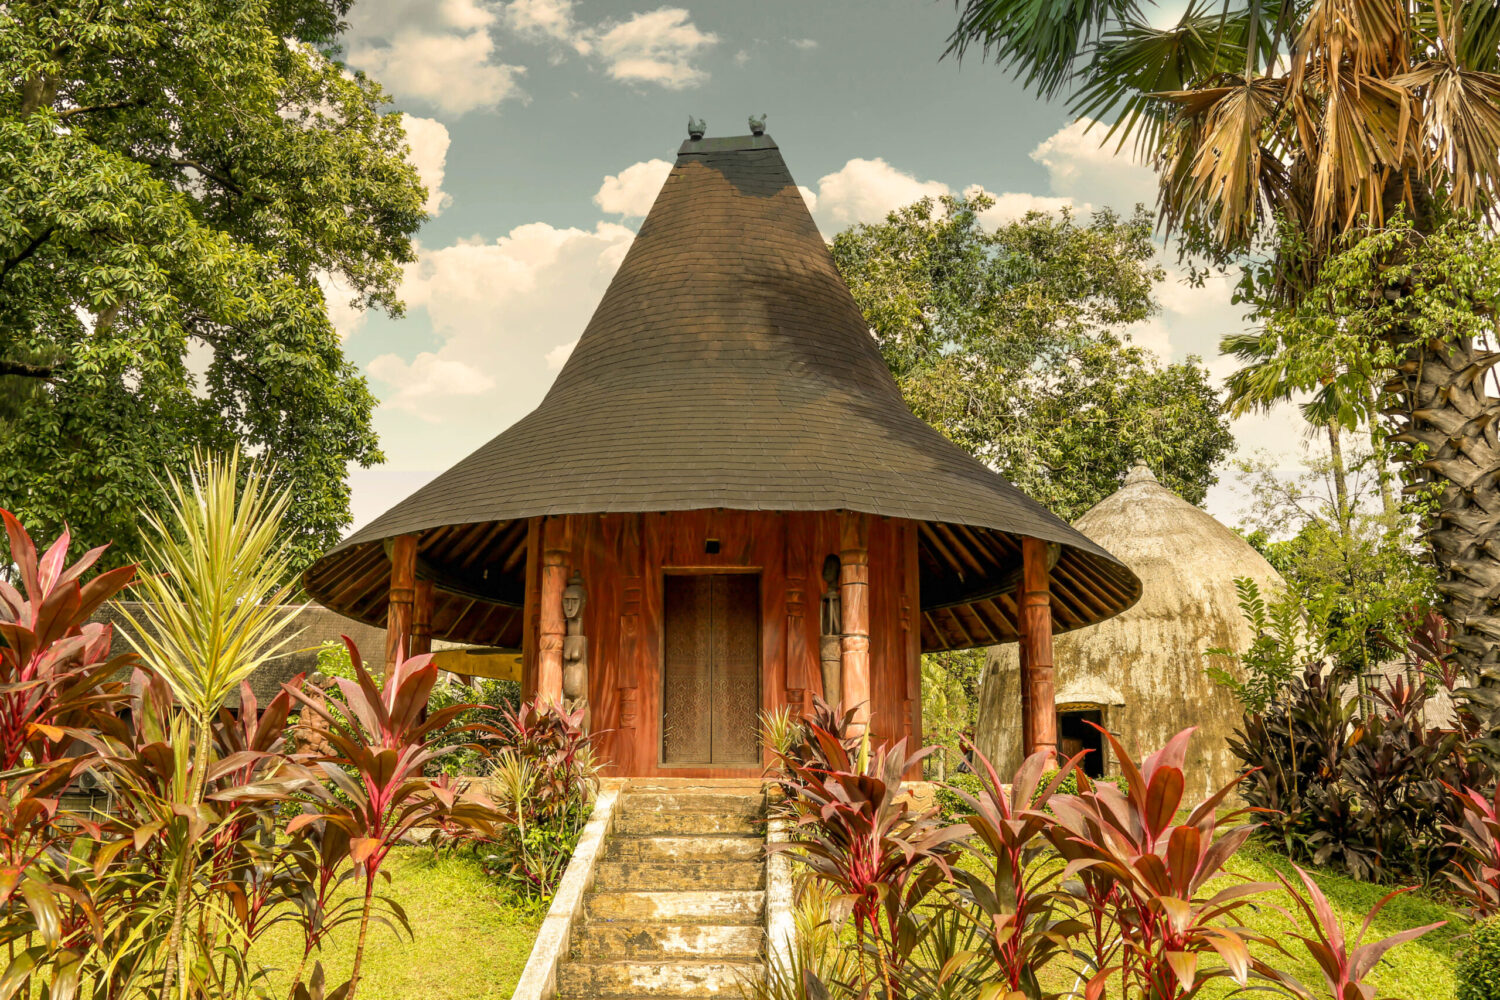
(1318, 118)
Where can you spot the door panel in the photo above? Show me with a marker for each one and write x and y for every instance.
(687, 722)
(736, 704)
(711, 670)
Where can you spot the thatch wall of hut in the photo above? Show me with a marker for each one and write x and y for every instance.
(1145, 669)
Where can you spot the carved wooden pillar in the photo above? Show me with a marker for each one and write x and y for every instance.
(421, 618)
(1039, 698)
(911, 635)
(798, 656)
(854, 599)
(549, 665)
(403, 556)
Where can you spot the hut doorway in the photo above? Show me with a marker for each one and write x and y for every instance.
(1074, 735)
(710, 702)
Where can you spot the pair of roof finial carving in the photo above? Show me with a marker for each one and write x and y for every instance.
(697, 126)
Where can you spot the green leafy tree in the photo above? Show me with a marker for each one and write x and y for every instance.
(178, 179)
(1003, 339)
(1354, 575)
(1282, 132)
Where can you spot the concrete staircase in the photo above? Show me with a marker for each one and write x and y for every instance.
(678, 903)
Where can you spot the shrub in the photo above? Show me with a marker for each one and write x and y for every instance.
(862, 838)
(543, 777)
(951, 804)
(1478, 969)
(1369, 794)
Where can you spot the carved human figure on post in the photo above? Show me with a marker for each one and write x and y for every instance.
(830, 644)
(575, 679)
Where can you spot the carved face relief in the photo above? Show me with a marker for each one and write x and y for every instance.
(572, 598)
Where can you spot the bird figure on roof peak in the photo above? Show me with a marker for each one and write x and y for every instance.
(758, 124)
(696, 128)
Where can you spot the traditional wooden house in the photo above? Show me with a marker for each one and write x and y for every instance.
(723, 507)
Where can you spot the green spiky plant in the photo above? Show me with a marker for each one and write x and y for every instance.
(212, 609)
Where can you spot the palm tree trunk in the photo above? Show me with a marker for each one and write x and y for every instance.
(1447, 414)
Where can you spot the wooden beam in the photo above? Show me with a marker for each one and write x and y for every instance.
(1038, 682)
(421, 618)
(401, 596)
(854, 602)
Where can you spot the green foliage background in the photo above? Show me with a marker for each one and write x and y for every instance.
(1008, 341)
(179, 180)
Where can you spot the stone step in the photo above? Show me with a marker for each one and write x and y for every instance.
(688, 823)
(725, 907)
(676, 802)
(720, 848)
(654, 979)
(647, 940)
(681, 875)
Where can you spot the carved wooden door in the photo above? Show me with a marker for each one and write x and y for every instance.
(711, 670)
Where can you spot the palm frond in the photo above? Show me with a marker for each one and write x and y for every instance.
(1041, 41)
(1135, 63)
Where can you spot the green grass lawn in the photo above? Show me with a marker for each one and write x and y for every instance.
(1419, 970)
(471, 937)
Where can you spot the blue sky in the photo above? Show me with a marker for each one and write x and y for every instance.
(543, 129)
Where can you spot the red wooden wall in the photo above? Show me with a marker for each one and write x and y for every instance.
(623, 559)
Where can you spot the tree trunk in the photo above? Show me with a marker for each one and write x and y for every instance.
(1448, 416)
(1340, 477)
(1381, 455)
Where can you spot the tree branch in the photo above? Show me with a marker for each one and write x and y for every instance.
(26, 251)
(26, 369)
(206, 171)
(111, 106)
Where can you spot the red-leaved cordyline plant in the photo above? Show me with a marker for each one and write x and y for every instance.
(862, 838)
(1011, 898)
(1477, 864)
(1344, 965)
(380, 731)
(54, 679)
(1165, 918)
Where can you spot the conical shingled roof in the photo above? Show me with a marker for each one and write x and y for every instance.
(728, 366)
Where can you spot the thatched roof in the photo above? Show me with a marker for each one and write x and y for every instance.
(727, 366)
(1150, 657)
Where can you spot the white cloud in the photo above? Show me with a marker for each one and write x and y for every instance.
(1012, 205)
(347, 319)
(656, 47)
(548, 20)
(441, 53)
(497, 310)
(810, 196)
(742, 58)
(866, 190)
(427, 378)
(1078, 166)
(428, 140)
(629, 193)
(559, 355)
(805, 44)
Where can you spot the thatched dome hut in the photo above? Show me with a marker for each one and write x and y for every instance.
(1142, 673)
